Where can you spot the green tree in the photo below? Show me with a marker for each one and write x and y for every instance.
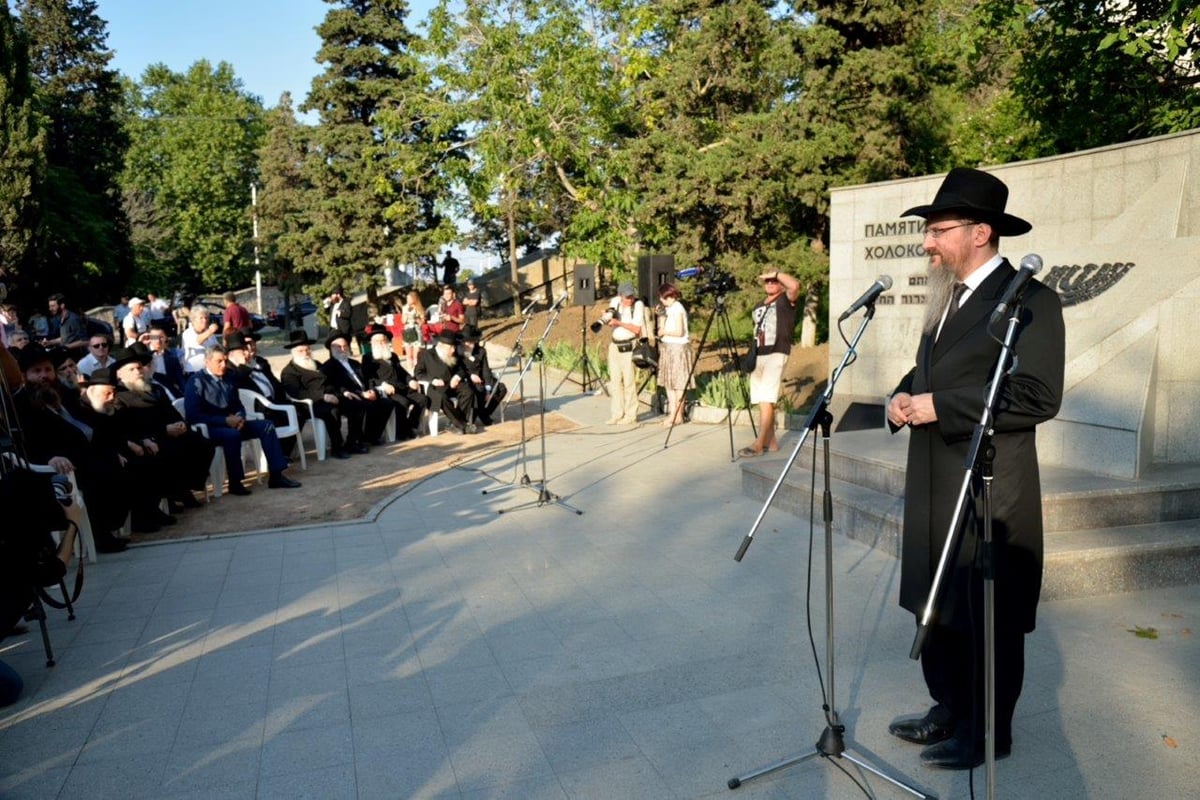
(372, 192)
(194, 141)
(282, 192)
(22, 157)
(83, 240)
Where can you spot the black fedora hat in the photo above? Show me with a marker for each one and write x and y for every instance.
(448, 337)
(128, 355)
(376, 328)
(31, 355)
(104, 376)
(976, 194)
(297, 338)
(334, 336)
(236, 341)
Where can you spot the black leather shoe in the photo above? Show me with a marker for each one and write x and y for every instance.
(144, 524)
(958, 753)
(110, 544)
(924, 729)
(163, 519)
(238, 489)
(341, 455)
(282, 482)
(358, 449)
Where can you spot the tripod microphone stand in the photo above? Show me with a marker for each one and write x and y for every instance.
(544, 495)
(832, 741)
(725, 341)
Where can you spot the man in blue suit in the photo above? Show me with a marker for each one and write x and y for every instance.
(211, 399)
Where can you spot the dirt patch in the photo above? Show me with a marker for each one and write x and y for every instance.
(805, 376)
(336, 491)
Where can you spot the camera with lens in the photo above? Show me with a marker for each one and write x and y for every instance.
(605, 318)
(718, 283)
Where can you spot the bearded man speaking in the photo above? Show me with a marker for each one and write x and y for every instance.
(941, 401)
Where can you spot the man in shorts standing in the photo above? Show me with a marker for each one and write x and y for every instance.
(774, 323)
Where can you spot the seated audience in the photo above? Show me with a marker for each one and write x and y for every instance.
(352, 389)
(303, 379)
(385, 373)
(212, 399)
(489, 393)
(18, 339)
(166, 368)
(449, 387)
(246, 375)
(200, 334)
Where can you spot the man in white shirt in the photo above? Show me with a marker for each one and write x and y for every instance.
(99, 349)
(137, 321)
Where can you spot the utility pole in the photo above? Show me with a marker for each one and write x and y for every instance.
(257, 272)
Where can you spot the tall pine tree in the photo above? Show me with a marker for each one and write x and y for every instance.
(361, 211)
(282, 191)
(22, 160)
(83, 241)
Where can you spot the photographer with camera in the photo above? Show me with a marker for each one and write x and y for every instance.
(625, 315)
(774, 325)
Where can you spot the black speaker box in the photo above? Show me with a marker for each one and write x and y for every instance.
(585, 284)
(653, 272)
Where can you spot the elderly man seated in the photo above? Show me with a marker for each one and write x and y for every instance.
(166, 368)
(245, 373)
(145, 409)
(211, 399)
(53, 435)
(304, 380)
(352, 389)
(489, 392)
(449, 384)
(385, 373)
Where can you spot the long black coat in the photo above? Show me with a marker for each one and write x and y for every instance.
(957, 369)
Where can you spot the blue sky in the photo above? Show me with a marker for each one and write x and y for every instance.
(271, 44)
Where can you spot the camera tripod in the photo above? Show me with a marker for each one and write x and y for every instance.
(588, 373)
(725, 342)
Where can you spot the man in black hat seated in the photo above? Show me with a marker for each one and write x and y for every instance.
(488, 392)
(352, 389)
(246, 374)
(148, 477)
(385, 373)
(212, 399)
(166, 368)
(147, 412)
(449, 384)
(303, 379)
(53, 435)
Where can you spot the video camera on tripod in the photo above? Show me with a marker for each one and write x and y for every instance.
(716, 281)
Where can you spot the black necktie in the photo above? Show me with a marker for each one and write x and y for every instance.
(955, 298)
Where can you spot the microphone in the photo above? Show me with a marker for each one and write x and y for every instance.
(562, 298)
(1030, 265)
(690, 272)
(881, 285)
(529, 307)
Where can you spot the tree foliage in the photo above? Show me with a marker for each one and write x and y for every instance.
(194, 140)
(282, 193)
(83, 239)
(22, 155)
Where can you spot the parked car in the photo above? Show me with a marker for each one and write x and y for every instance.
(292, 317)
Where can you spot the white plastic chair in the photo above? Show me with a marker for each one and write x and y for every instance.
(251, 401)
(216, 470)
(320, 434)
(429, 419)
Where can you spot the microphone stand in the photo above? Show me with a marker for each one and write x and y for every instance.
(979, 459)
(522, 453)
(832, 742)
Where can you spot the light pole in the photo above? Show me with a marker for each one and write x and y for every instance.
(257, 272)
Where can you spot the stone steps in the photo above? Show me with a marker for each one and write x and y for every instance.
(1103, 535)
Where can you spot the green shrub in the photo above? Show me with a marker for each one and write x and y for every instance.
(723, 390)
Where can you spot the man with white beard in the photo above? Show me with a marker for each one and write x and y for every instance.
(145, 409)
(449, 384)
(353, 390)
(385, 374)
(244, 374)
(304, 380)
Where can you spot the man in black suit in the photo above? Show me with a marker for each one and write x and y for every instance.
(247, 374)
(53, 435)
(941, 401)
(340, 314)
(353, 390)
(489, 393)
(147, 411)
(449, 387)
(167, 368)
(212, 399)
(303, 379)
(385, 374)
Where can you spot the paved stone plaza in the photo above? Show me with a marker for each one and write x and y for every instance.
(444, 651)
